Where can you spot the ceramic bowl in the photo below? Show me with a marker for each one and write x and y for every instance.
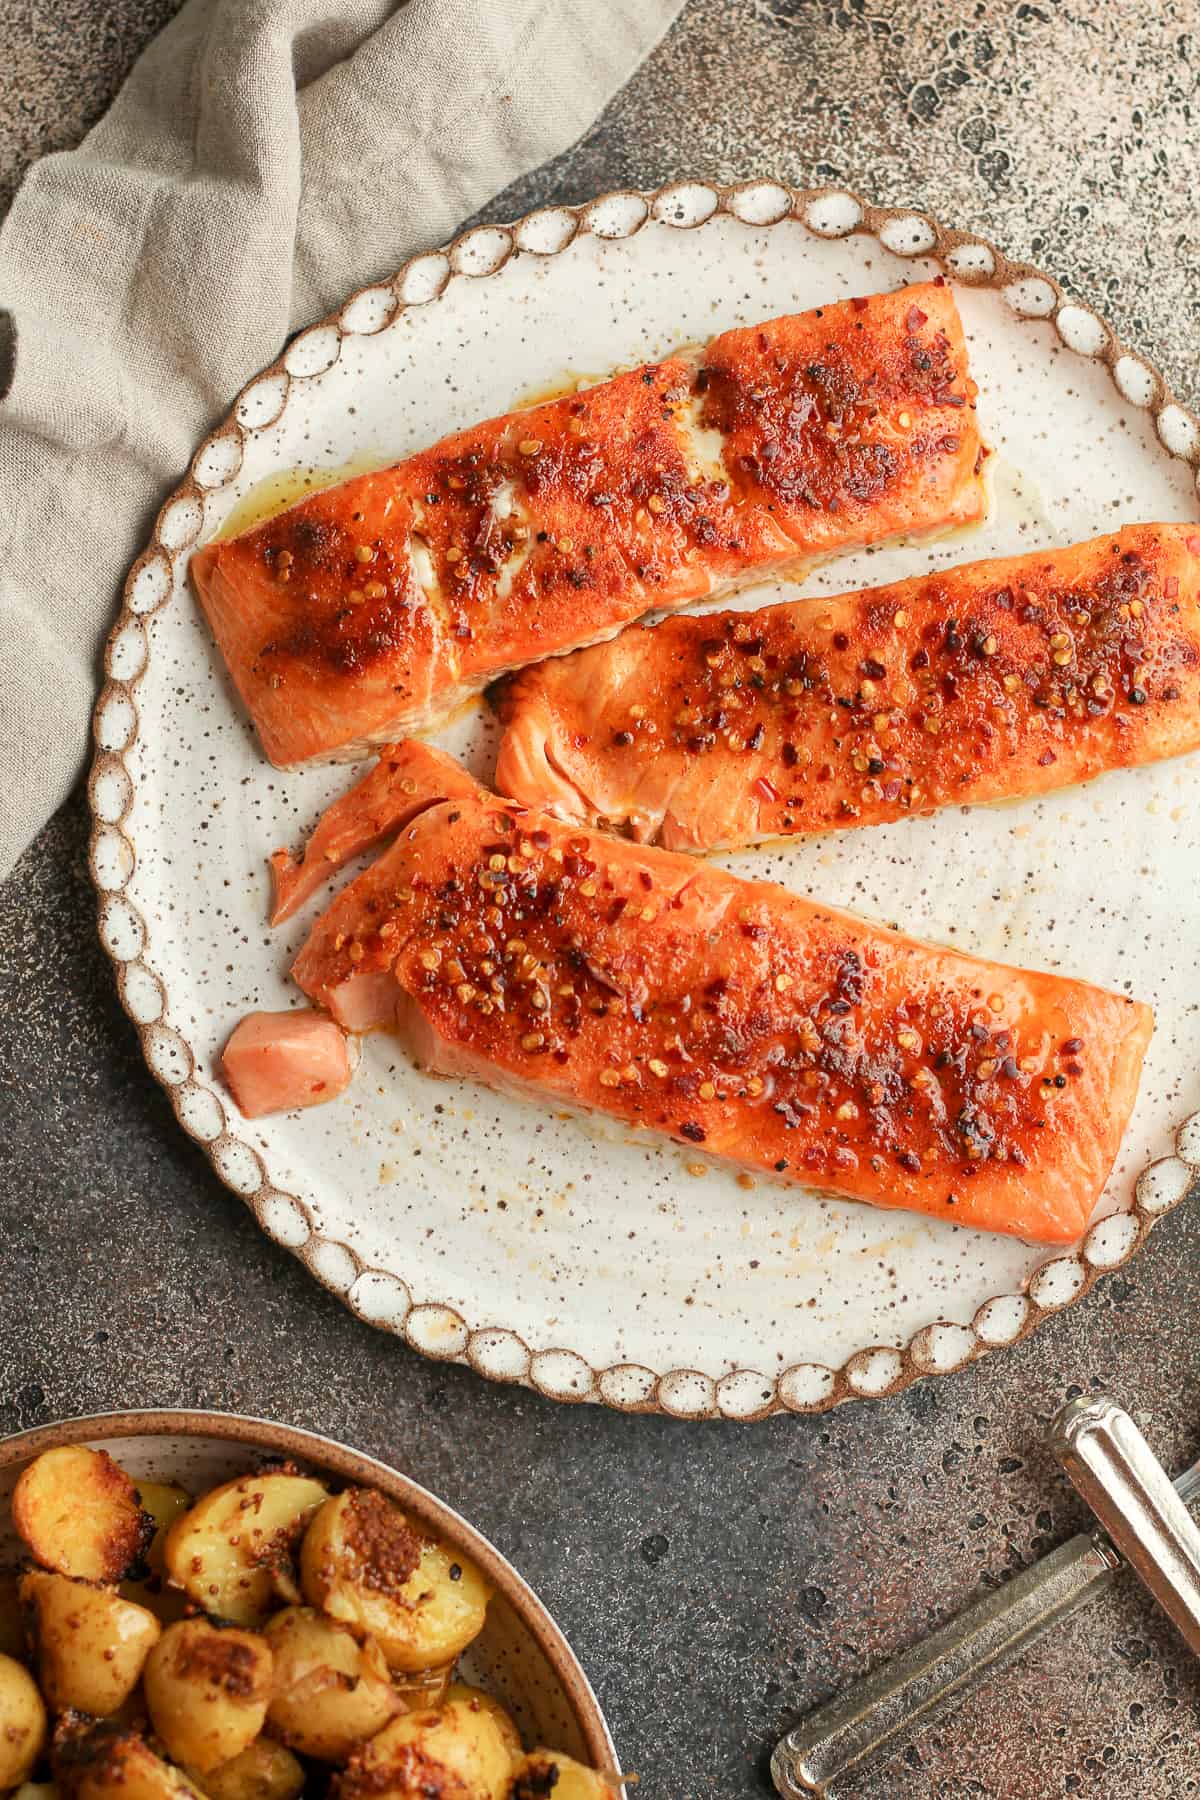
(521, 1656)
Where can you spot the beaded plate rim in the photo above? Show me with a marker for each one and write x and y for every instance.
(379, 1296)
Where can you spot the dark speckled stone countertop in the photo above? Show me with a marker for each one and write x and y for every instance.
(716, 1580)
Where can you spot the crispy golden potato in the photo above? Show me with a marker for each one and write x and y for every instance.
(263, 1771)
(331, 1690)
(207, 1691)
(147, 1585)
(363, 1563)
(79, 1513)
(165, 1503)
(12, 1626)
(461, 1750)
(549, 1772)
(23, 1716)
(90, 1644)
(459, 1693)
(224, 1551)
(110, 1762)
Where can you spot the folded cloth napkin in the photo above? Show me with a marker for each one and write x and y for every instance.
(264, 158)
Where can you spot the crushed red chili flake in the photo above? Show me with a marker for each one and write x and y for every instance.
(858, 303)
(1046, 758)
(765, 789)
(1171, 586)
(914, 318)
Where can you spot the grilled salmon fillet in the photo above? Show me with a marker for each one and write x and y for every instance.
(372, 608)
(984, 682)
(788, 1037)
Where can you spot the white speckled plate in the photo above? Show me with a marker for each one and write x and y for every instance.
(583, 1259)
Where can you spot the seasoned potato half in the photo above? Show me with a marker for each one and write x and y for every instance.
(460, 1750)
(207, 1691)
(548, 1772)
(331, 1690)
(91, 1645)
(224, 1551)
(80, 1513)
(363, 1563)
(263, 1771)
(148, 1586)
(112, 1763)
(475, 1700)
(23, 1717)
(165, 1503)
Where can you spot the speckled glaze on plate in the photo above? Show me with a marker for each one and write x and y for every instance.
(520, 1656)
(590, 1262)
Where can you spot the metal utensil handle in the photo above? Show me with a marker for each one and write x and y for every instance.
(1133, 1497)
(915, 1687)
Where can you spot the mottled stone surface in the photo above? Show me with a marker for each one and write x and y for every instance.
(716, 1580)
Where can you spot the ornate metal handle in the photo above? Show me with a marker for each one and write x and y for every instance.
(1135, 1500)
(917, 1686)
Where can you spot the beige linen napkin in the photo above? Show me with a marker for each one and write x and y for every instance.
(264, 158)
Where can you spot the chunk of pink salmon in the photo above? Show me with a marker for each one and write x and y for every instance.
(278, 1061)
(388, 798)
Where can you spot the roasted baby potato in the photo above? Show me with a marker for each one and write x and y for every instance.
(549, 1772)
(225, 1551)
(165, 1503)
(110, 1762)
(362, 1562)
(80, 1514)
(263, 1771)
(460, 1749)
(147, 1586)
(23, 1721)
(331, 1690)
(90, 1644)
(207, 1691)
(475, 1700)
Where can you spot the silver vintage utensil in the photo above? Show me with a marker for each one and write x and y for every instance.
(1146, 1515)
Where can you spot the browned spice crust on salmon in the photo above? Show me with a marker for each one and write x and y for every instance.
(982, 682)
(786, 1036)
(370, 608)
